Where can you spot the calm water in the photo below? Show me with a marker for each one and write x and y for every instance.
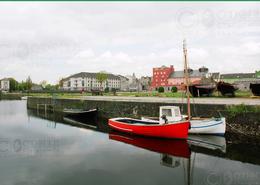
(39, 151)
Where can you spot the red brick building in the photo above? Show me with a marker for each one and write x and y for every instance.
(160, 76)
(167, 77)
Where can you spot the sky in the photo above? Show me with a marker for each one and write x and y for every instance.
(51, 40)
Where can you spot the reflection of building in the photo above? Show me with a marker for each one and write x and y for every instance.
(88, 81)
(5, 84)
(242, 80)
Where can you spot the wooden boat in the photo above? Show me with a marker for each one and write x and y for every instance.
(80, 115)
(226, 88)
(178, 129)
(175, 147)
(201, 90)
(215, 126)
(255, 88)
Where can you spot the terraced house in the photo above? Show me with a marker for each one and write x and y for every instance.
(89, 81)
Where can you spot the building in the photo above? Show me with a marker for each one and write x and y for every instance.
(124, 83)
(145, 83)
(177, 78)
(134, 83)
(88, 81)
(242, 80)
(36, 87)
(5, 84)
(167, 77)
(160, 76)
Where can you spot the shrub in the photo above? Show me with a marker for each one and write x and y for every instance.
(161, 90)
(106, 90)
(174, 89)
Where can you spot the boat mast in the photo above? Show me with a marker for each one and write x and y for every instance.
(186, 74)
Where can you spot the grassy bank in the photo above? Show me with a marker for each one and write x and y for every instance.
(239, 94)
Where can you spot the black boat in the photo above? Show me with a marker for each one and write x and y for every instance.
(226, 88)
(81, 115)
(255, 88)
(201, 90)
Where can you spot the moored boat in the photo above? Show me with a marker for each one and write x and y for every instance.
(255, 88)
(198, 125)
(201, 90)
(80, 115)
(226, 88)
(177, 129)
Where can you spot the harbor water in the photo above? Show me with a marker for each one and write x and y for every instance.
(44, 149)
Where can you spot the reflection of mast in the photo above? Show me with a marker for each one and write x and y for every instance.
(186, 74)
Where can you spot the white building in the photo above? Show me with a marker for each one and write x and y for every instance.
(5, 84)
(88, 81)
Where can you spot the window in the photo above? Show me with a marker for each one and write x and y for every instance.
(82, 83)
(167, 112)
(177, 112)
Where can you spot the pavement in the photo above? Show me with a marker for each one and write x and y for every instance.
(204, 100)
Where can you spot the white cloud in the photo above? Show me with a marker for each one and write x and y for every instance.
(51, 40)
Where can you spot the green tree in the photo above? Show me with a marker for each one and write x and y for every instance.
(13, 84)
(174, 89)
(106, 89)
(60, 84)
(101, 77)
(29, 83)
(161, 90)
(43, 84)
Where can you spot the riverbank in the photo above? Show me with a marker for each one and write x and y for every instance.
(242, 115)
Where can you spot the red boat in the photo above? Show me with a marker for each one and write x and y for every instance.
(178, 148)
(173, 129)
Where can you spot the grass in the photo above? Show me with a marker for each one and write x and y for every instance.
(242, 108)
(239, 94)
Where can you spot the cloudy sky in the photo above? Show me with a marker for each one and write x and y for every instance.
(48, 40)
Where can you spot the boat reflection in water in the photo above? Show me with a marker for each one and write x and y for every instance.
(210, 142)
(174, 147)
(172, 151)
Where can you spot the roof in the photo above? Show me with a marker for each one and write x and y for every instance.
(90, 75)
(237, 75)
(180, 74)
(215, 75)
(5, 79)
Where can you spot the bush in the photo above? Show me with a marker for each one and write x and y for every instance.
(106, 90)
(174, 89)
(161, 90)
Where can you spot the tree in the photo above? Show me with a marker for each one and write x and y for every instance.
(101, 77)
(61, 82)
(161, 90)
(13, 84)
(43, 84)
(29, 83)
(174, 89)
(106, 89)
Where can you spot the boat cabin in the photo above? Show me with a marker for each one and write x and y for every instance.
(169, 114)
